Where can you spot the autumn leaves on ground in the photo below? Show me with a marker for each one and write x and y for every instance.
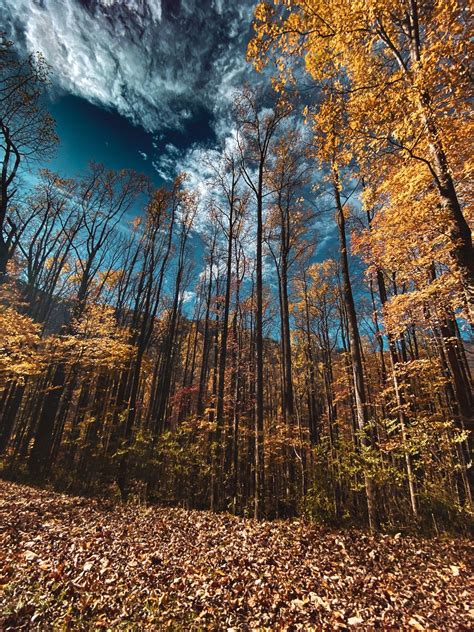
(75, 563)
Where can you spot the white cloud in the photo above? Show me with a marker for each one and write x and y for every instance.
(157, 62)
(154, 61)
(188, 296)
(166, 164)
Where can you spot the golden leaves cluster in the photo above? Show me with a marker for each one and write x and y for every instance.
(385, 98)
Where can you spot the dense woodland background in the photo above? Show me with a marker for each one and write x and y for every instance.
(287, 384)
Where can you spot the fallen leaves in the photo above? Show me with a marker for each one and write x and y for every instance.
(30, 555)
(71, 563)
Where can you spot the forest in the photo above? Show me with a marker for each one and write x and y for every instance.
(286, 339)
(190, 346)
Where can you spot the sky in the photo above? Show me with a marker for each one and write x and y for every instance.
(141, 84)
(136, 83)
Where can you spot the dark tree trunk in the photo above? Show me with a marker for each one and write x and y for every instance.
(355, 350)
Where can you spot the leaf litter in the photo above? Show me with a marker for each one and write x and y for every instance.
(82, 564)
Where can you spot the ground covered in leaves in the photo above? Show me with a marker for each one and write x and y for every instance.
(75, 563)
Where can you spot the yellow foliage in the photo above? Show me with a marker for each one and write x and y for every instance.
(19, 343)
(97, 341)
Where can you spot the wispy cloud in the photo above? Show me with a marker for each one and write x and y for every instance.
(154, 61)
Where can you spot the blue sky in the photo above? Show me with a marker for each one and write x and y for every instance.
(130, 76)
(88, 131)
(142, 84)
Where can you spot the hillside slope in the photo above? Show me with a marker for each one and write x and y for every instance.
(74, 563)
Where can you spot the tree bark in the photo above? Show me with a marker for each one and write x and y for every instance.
(356, 357)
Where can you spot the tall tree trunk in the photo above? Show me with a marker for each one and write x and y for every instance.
(40, 452)
(204, 369)
(223, 361)
(9, 413)
(400, 400)
(460, 233)
(259, 419)
(356, 357)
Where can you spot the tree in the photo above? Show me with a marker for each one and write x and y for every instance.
(286, 227)
(257, 131)
(26, 129)
(228, 210)
(103, 199)
(402, 67)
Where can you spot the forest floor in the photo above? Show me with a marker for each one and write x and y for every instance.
(69, 563)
